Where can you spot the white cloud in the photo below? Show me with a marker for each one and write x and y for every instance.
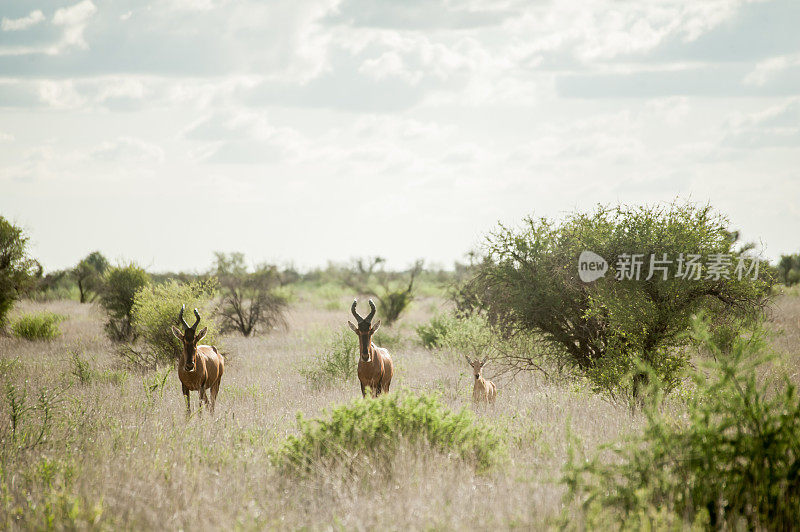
(128, 150)
(74, 20)
(769, 68)
(23, 23)
(775, 127)
(60, 94)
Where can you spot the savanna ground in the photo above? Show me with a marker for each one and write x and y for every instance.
(119, 452)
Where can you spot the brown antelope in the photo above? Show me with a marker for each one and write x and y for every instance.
(375, 367)
(484, 390)
(200, 367)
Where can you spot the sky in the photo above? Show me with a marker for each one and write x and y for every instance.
(308, 131)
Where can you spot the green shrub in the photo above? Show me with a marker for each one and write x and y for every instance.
(155, 309)
(337, 362)
(529, 282)
(39, 326)
(470, 335)
(81, 369)
(734, 460)
(120, 285)
(17, 270)
(375, 427)
(433, 333)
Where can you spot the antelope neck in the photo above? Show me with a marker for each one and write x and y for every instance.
(369, 352)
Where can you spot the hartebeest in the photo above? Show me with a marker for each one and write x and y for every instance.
(484, 391)
(200, 367)
(375, 367)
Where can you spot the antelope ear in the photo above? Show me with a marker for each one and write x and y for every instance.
(485, 360)
(352, 326)
(468, 360)
(177, 332)
(376, 326)
(201, 334)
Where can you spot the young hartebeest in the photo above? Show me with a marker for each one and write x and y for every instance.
(375, 367)
(484, 391)
(200, 367)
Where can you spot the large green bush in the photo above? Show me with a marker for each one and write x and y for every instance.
(120, 284)
(155, 309)
(733, 461)
(375, 427)
(39, 326)
(529, 282)
(16, 268)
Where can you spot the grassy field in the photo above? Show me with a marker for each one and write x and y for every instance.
(119, 451)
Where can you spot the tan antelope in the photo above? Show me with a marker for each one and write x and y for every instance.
(200, 367)
(375, 367)
(484, 391)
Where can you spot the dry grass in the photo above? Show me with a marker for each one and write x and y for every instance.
(119, 455)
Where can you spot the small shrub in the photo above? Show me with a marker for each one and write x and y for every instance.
(337, 362)
(471, 335)
(734, 462)
(154, 384)
(39, 326)
(81, 369)
(155, 309)
(375, 427)
(119, 287)
(433, 333)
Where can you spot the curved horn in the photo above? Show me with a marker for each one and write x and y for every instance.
(180, 317)
(197, 314)
(368, 319)
(353, 310)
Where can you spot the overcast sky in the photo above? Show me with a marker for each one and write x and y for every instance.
(307, 131)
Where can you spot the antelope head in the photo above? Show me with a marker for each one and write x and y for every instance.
(364, 330)
(477, 365)
(189, 337)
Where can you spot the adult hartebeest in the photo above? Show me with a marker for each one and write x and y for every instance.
(375, 367)
(484, 391)
(200, 367)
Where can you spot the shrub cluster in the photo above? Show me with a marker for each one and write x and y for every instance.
(375, 427)
(155, 308)
(734, 463)
(38, 326)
